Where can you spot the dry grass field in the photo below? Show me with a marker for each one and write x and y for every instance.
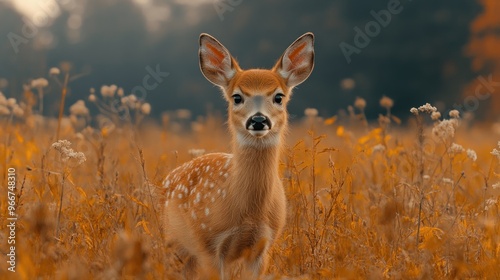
(376, 200)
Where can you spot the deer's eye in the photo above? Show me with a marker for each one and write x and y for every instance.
(237, 99)
(278, 98)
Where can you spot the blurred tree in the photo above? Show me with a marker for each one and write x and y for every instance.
(484, 48)
(417, 57)
(11, 59)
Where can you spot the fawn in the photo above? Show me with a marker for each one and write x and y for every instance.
(221, 208)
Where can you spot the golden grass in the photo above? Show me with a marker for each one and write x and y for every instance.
(404, 210)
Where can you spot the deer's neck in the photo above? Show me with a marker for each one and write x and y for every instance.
(254, 175)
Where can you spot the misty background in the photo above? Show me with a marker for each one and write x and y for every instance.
(425, 53)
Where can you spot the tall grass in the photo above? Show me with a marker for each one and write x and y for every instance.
(364, 201)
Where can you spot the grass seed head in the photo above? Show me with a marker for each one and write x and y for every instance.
(427, 108)
(360, 103)
(386, 102)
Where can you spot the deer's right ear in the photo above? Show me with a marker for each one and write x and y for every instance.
(216, 63)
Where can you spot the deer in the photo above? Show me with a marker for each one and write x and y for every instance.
(221, 209)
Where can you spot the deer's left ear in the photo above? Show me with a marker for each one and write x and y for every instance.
(296, 64)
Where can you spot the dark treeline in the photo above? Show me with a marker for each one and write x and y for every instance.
(411, 51)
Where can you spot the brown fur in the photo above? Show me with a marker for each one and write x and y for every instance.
(223, 208)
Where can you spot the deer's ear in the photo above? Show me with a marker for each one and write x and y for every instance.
(296, 64)
(216, 63)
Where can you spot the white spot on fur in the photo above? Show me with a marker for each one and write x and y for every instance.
(198, 198)
(228, 161)
(203, 226)
(207, 211)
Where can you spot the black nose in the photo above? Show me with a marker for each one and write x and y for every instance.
(259, 119)
(258, 122)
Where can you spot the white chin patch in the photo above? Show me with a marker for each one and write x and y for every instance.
(259, 133)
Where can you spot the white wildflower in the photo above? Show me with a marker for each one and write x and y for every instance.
(63, 147)
(311, 112)
(445, 129)
(427, 108)
(108, 91)
(414, 111)
(496, 185)
(11, 102)
(132, 98)
(435, 116)
(378, 148)
(360, 103)
(496, 152)
(92, 98)
(18, 111)
(386, 102)
(454, 114)
(130, 101)
(471, 154)
(196, 152)
(146, 108)
(79, 109)
(54, 71)
(4, 111)
(456, 149)
(448, 181)
(490, 202)
(120, 92)
(347, 84)
(39, 83)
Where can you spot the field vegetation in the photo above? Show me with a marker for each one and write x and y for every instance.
(369, 199)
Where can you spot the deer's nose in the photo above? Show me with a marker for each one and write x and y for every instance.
(259, 118)
(258, 122)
